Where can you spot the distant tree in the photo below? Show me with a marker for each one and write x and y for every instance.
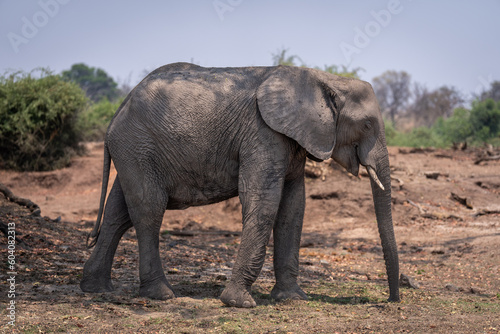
(281, 58)
(428, 105)
(96, 83)
(342, 70)
(392, 89)
(493, 93)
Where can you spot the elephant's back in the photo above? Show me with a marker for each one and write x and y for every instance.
(187, 100)
(188, 111)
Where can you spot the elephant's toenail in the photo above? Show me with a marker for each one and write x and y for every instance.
(246, 303)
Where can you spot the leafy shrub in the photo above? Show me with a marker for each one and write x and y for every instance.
(390, 132)
(485, 119)
(418, 137)
(37, 120)
(456, 128)
(475, 126)
(93, 121)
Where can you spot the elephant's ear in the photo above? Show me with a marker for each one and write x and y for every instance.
(295, 102)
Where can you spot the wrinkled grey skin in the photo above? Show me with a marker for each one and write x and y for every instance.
(188, 136)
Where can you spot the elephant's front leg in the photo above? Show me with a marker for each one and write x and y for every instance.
(260, 208)
(287, 232)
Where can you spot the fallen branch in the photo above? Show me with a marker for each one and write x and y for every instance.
(442, 155)
(462, 200)
(441, 216)
(420, 209)
(399, 181)
(460, 146)
(484, 212)
(417, 150)
(486, 158)
(407, 281)
(35, 209)
(434, 175)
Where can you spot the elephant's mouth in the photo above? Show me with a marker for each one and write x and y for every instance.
(353, 167)
(370, 169)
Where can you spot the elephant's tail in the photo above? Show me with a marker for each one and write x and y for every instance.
(92, 236)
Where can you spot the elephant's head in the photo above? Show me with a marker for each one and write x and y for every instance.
(332, 116)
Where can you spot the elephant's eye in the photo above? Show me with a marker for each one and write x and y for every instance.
(368, 125)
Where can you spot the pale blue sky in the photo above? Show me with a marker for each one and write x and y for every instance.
(454, 43)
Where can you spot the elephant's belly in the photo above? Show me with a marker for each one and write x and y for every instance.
(186, 196)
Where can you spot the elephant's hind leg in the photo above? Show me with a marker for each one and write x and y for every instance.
(147, 202)
(97, 270)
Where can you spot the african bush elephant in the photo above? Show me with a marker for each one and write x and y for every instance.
(188, 136)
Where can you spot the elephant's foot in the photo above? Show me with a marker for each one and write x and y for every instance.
(157, 289)
(237, 296)
(93, 284)
(291, 291)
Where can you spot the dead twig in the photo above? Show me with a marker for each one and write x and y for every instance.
(420, 209)
(441, 216)
(399, 181)
(417, 150)
(484, 212)
(487, 158)
(442, 155)
(35, 209)
(409, 282)
(462, 200)
(434, 175)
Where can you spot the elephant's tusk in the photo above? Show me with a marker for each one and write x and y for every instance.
(374, 177)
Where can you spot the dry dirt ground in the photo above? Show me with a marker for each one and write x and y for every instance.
(447, 223)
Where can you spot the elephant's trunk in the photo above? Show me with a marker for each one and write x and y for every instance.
(383, 210)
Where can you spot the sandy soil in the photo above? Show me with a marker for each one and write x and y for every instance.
(447, 223)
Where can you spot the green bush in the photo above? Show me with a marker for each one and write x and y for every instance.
(456, 128)
(476, 126)
(93, 121)
(418, 137)
(485, 119)
(390, 132)
(37, 120)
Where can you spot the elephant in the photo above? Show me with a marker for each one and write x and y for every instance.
(187, 136)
